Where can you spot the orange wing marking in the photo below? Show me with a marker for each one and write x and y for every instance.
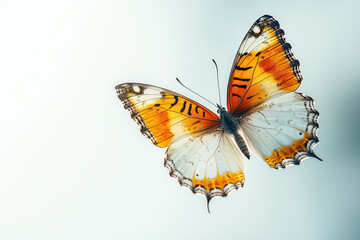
(286, 152)
(265, 69)
(220, 181)
(164, 115)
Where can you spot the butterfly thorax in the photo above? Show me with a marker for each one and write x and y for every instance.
(230, 124)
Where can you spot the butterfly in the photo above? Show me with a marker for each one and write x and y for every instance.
(206, 151)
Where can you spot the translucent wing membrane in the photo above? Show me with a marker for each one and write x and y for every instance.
(264, 66)
(163, 115)
(200, 155)
(282, 131)
(209, 164)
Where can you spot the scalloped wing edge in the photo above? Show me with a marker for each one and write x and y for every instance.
(122, 95)
(280, 34)
(313, 140)
(186, 182)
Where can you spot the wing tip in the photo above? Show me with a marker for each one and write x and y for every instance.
(264, 17)
(280, 33)
(123, 90)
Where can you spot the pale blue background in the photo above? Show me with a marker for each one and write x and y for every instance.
(73, 165)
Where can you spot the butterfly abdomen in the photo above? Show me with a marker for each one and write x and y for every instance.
(241, 144)
(230, 124)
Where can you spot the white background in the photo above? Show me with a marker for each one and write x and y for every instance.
(73, 165)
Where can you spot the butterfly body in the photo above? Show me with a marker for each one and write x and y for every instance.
(230, 124)
(206, 151)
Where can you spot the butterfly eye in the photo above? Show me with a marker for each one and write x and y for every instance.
(220, 109)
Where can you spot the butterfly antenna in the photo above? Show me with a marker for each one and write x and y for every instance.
(218, 83)
(194, 92)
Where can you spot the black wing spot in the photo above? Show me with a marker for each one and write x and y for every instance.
(242, 69)
(274, 24)
(250, 97)
(196, 109)
(189, 112)
(183, 107)
(286, 46)
(242, 79)
(176, 101)
(239, 86)
(195, 123)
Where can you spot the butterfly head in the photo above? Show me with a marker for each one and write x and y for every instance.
(228, 122)
(220, 109)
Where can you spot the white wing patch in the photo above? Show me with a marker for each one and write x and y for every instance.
(210, 164)
(282, 131)
(252, 42)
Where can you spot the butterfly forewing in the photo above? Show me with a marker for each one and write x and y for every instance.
(264, 67)
(163, 115)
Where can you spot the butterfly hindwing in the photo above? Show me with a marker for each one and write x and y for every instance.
(264, 66)
(282, 131)
(163, 115)
(210, 164)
